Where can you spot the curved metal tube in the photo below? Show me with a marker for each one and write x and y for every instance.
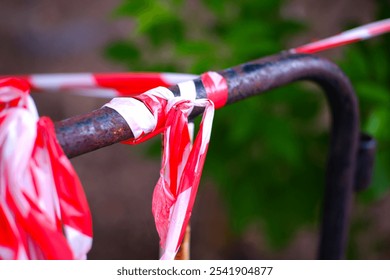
(104, 127)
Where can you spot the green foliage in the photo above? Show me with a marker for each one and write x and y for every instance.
(267, 154)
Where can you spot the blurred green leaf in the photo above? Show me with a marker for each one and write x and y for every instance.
(378, 123)
(168, 29)
(122, 51)
(373, 92)
(132, 8)
(191, 48)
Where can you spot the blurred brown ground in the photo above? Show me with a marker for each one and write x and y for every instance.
(46, 36)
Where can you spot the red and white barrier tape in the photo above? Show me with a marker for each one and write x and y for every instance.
(106, 85)
(360, 33)
(129, 84)
(158, 110)
(43, 210)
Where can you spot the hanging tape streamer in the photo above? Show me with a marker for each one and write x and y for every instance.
(182, 163)
(43, 210)
(181, 169)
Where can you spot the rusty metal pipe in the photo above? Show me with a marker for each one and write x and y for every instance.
(104, 127)
(85, 133)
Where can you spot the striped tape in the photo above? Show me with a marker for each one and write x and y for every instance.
(347, 37)
(182, 163)
(44, 213)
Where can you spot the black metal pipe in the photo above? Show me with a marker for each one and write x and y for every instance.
(104, 127)
(265, 74)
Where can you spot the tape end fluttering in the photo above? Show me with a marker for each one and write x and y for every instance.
(158, 110)
(182, 162)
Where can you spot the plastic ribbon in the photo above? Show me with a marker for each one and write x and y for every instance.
(182, 164)
(357, 34)
(105, 85)
(43, 210)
